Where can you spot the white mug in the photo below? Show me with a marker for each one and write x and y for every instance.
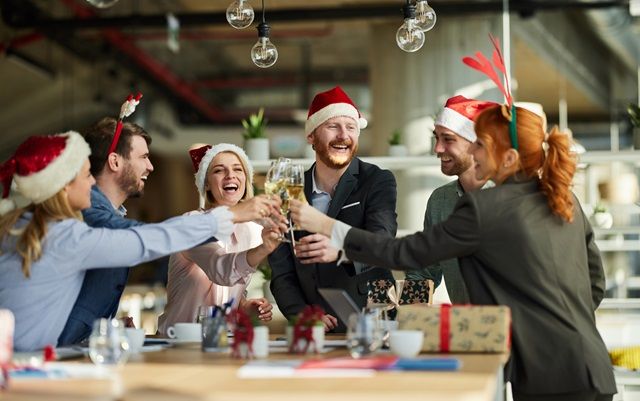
(406, 343)
(135, 338)
(260, 344)
(186, 332)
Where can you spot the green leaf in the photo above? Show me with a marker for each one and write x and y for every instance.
(255, 125)
(395, 138)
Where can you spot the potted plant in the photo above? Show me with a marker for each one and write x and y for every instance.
(601, 218)
(396, 148)
(256, 142)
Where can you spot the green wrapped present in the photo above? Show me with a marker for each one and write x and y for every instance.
(399, 292)
(459, 328)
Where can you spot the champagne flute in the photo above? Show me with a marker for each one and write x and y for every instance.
(276, 184)
(295, 189)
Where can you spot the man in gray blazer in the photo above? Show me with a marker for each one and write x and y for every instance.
(454, 133)
(343, 187)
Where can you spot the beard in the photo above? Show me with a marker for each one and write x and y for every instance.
(459, 165)
(335, 161)
(129, 183)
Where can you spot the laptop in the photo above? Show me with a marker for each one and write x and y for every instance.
(341, 303)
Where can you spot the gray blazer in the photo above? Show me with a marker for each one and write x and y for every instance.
(513, 251)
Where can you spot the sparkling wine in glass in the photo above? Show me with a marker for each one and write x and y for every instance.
(295, 188)
(276, 184)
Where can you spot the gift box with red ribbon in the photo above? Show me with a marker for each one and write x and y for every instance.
(459, 328)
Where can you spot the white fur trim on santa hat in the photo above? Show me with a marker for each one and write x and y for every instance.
(6, 205)
(40, 186)
(201, 174)
(457, 123)
(333, 110)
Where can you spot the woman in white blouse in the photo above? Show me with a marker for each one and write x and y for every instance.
(217, 272)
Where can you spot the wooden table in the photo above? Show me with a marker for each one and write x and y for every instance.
(189, 374)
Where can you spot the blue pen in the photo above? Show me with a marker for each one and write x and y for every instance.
(440, 364)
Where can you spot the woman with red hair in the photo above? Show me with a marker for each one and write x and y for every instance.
(524, 243)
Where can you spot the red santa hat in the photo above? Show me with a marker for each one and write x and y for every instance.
(202, 156)
(459, 115)
(40, 167)
(329, 104)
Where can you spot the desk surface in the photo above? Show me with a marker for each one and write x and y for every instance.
(189, 374)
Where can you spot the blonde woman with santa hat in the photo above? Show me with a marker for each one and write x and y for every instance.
(219, 272)
(45, 248)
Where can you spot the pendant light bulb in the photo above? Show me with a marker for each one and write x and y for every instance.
(264, 54)
(425, 16)
(409, 37)
(240, 14)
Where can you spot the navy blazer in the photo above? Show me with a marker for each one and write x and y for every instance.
(102, 288)
(365, 197)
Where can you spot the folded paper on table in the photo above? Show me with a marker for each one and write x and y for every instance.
(66, 370)
(378, 362)
(286, 369)
(459, 328)
(342, 367)
(399, 292)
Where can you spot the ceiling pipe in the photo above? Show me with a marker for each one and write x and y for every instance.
(233, 35)
(14, 16)
(283, 79)
(155, 69)
(21, 41)
(615, 27)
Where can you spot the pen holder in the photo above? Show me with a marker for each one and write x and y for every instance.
(214, 333)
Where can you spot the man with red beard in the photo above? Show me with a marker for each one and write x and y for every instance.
(343, 187)
(454, 133)
(119, 175)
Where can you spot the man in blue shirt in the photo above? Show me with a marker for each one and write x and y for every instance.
(119, 175)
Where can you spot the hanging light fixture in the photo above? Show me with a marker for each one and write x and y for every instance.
(425, 16)
(409, 37)
(102, 3)
(264, 54)
(240, 14)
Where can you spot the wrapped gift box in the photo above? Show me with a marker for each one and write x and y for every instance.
(399, 292)
(459, 328)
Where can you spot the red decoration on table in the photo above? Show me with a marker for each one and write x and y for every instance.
(242, 332)
(303, 329)
(49, 353)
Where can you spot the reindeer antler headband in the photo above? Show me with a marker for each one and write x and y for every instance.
(127, 108)
(482, 64)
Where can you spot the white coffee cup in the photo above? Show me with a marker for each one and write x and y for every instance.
(406, 343)
(260, 344)
(135, 338)
(186, 332)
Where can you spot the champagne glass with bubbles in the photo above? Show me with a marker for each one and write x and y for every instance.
(276, 184)
(295, 188)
